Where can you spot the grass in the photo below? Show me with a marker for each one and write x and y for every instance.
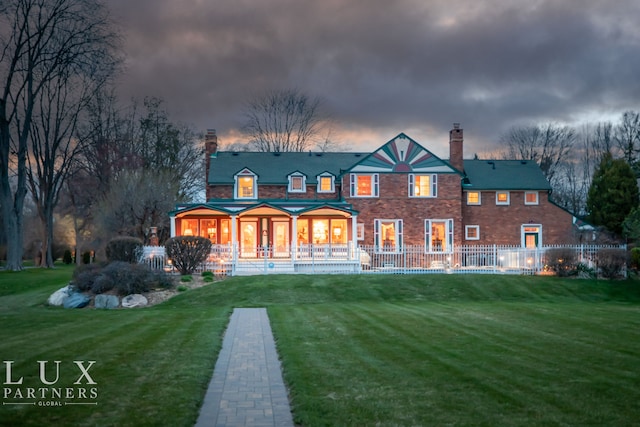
(356, 350)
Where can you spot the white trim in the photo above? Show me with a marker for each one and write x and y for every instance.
(398, 231)
(505, 203)
(433, 185)
(471, 227)
(523, 242)
(245, 173)
(375, 185)
(448, 237)
(333, 182)
(537, 198)
(303, 188)
(474, 203)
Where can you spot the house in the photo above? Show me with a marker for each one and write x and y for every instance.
(294, 207)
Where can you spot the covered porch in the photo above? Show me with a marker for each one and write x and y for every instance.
(274, 237)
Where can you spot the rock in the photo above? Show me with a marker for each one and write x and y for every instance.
(134, 300)
(58, 297)
(106, 301)
(76, 300)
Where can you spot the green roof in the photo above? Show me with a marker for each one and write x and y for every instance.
(274, 168)
(504, 175)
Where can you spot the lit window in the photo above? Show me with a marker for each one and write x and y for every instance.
(388, 235)
(502, 198)
(189, 227)
(422, 185)
(246, 187)
(297, 184)
(438, 235)
(325, 184)
(531, 198)
(472, 232)
(473, 198)
(364, 185)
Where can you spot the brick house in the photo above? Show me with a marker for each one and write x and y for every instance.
(289, 206)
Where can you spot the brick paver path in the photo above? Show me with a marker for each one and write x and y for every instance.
(247, 387)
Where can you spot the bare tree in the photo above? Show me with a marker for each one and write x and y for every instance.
(41, 41)
(627, 136)
(285, 120)
(548, 145)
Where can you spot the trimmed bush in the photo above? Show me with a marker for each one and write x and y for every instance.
(562, 261)
(67, 258)
(612, 262)
(125, 249)
(188, 252)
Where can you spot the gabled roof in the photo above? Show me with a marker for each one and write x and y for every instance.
(274, 168)
(504, 175)
(402, 154)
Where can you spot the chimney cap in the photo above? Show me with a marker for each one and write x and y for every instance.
(211, 131)
(456, 125)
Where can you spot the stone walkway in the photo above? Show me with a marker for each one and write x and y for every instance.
(247, 387)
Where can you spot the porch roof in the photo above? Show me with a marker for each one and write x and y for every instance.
(285, 206)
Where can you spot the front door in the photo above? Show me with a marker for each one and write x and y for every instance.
(248, 238)
(281, 238)
(531, 236)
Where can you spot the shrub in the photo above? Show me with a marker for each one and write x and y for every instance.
(562, 261)
(611, 262)
(182, 288)
(635, 258)
(207, 278)
(128, 278)
(86, 257)
(84, 276)
(67, 258)
(187, 252)
(124, 248)
(207, 274)
(186, 278)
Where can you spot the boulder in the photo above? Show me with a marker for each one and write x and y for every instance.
(76, 300)
(134, 300)
(106, 301)
(58, 297)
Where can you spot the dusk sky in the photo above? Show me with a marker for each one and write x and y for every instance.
(383, 67)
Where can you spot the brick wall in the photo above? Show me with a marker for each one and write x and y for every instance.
(394, 203)
(501, 225)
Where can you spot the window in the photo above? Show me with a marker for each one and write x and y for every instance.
(297, 183)
(225, 232)
(531, 235)
(530, 197)
(422, 185)
(189, 227)
(473, 198)
(502, 198)
(472, 232)
(326, 184)
(360, 231)
(246, 187)
(438, 235)
(364, 185)
(209, 229)
(388, 235)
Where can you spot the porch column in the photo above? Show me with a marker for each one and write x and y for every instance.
(173, 226)
(234, 238)
(294, 235)
(354, 235)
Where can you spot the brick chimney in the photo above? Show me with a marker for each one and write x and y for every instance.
(210, 146)
(455, 147)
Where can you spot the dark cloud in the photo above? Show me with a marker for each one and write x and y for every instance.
(385, 67)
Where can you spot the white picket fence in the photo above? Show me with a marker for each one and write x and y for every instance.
(344, 259)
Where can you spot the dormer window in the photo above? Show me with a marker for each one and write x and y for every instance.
(246, 185)
(326, 183)
(297, 183)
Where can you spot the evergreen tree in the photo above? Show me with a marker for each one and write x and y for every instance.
(613, 194)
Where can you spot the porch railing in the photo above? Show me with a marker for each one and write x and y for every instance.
(349, 259)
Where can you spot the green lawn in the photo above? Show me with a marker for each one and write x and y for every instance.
(356, 350)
